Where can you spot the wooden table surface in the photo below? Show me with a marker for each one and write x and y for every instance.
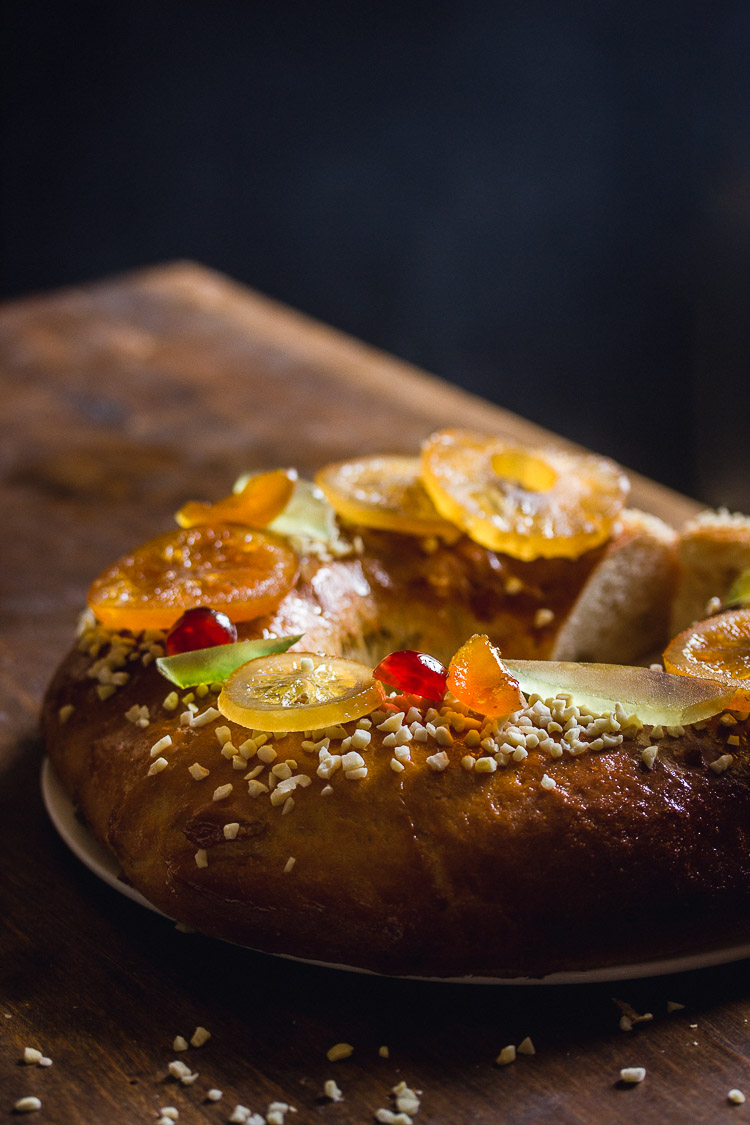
(121, 400)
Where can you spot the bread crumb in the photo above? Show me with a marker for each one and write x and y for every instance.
(506, 1056)
(180, 1043)
(199, 1037)
(178, 1069)
(526, 1047)
(649, 756)
(205, 717)
(407, 1100)
(339, 1051)
(736, 1097)
(388, 1117)
(331, 1090)
(163, 744)
(384, 1052)
(632, 1074)
(27, 1105)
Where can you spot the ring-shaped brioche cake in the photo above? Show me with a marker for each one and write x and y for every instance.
(424, 838)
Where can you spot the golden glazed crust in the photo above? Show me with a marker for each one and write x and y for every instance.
(400, 592)
(427, 871)
(546, 862)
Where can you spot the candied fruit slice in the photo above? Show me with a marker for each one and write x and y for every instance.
(416, 673)
(656, 697)
(738, 593)
(308, 514)
(214, 665)
(260, 500)
(479, 678)
(719, 649)
(200, 628)
(385, 493)
(295, 691)
(527, 503)
(241, 572)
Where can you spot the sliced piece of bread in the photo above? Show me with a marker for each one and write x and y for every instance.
(714, 548)
(622, 612)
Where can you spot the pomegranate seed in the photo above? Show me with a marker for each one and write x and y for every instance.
(414, 672)
(200, 628)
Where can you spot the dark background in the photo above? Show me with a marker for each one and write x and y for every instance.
(547, 203)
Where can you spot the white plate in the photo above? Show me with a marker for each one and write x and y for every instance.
(104, 865)
(79, 839)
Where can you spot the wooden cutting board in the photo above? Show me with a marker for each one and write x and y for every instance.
(120, 401)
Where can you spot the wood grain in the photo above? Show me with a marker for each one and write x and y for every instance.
(120, 401)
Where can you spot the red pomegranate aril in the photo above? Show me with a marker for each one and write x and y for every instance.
(200, 628)
(417, 673)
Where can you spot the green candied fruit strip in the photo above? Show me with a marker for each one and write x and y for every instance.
(657, 698)
(739, 592)
(308, 513)
(214, 665)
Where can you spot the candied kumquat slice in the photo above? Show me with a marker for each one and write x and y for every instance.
(716, 649)
(260, 500)
(293, 691)
(385, 493)
(478, 678)
(527, 503)
(236, 570)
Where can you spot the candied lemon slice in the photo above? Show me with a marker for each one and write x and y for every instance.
(385, 493)
(238, 571)
(718, 648)
(261, 499)
(479, 678)
(294, 691)
(527, 503)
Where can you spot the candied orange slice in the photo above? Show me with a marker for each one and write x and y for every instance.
(478, 678)
(717, 649)
(527, 503)
(293, 691)
(239, 571)
(385, 493)
(260, 500)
